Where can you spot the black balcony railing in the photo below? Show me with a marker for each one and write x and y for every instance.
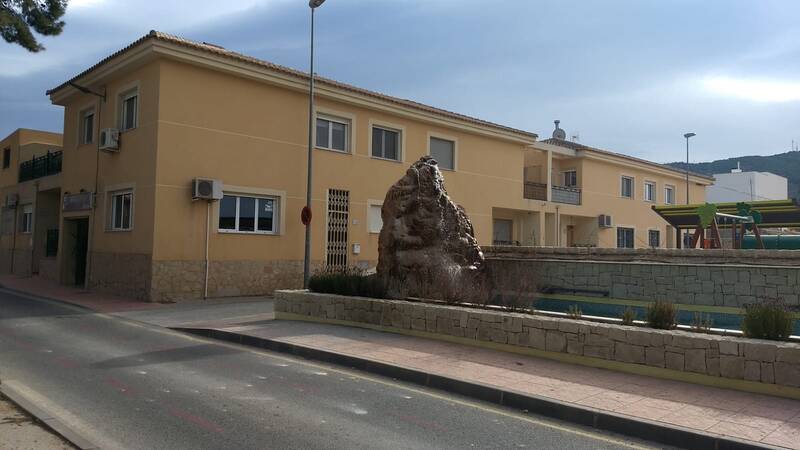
(41, 166)
(561, 194)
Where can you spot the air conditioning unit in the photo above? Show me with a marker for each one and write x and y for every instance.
(12, 200)
(206, 189)
(109, 139)
(605, 221)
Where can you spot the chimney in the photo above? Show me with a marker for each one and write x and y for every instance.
(558, 133)
(738, 168)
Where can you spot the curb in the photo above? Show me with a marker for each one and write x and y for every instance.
(54, 424)
(601, 420)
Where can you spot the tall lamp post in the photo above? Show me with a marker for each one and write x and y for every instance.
(687, 136)
(313, 4)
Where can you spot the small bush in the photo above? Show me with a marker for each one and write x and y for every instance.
(702, 323)
(770, 319)
(574, 312)
(348, 281)
(628, 316)
(662, 315)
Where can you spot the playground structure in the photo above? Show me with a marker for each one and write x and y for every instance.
(743, 222)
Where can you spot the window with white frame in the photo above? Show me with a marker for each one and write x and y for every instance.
(570, 178)
(121, 210)
(87, 126)
(333, 133)
(654, 238)
(245, 214)
(626, 187)
(375, 219)
(625, 237)
(669, 195)
(26, 220)
(649, 191)
(128, 110)
(444, 152)
(385, 143)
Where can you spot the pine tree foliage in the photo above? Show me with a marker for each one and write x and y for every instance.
(18, 17)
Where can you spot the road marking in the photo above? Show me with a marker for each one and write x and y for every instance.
(351, 374)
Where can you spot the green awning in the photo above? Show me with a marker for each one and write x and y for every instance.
(774, 213)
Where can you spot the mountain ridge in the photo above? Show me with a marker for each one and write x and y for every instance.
(783, 164)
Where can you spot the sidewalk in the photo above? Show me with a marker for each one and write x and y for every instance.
(744, 416)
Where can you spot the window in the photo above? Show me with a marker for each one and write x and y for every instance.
(375, 219)
(248, 214)
(444, 152)
(624, 237)
(669, 195)
(129, 108)
(385, 143)
(570, 178)
(503, 231)
(122, 210)
(627, 187)
(332, 134)
(6, 158)
(87, 127)
(649, 191)
(654, 238)
(26, 224)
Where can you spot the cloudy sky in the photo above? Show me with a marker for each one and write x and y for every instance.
(626, 75)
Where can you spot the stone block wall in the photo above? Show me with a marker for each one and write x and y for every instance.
(715, 356)
(692, 277)
(123, 274)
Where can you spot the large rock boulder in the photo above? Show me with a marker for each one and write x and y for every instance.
(427, 245)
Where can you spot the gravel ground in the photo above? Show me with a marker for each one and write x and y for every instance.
(18, 431)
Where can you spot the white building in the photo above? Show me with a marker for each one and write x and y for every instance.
(739, 186)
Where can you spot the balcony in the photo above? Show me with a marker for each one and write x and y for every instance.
(560, 194)
(42, 166)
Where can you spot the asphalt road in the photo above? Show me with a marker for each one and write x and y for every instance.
(126, 384)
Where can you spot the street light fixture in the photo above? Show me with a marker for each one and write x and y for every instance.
(313, 4)
(687, 136)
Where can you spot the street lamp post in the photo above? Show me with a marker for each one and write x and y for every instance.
(313, 4)
(687, 136)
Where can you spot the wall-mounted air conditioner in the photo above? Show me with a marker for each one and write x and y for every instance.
(605, 221)
(206, 189)
(109, 139)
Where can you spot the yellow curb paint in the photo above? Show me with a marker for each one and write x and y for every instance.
(636, 369)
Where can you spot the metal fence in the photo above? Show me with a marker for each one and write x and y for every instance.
(41, 166)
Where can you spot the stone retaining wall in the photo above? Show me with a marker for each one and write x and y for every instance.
(734, 358)
(691, 277)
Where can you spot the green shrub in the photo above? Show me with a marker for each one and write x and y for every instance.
(662, 315)
(628, 316)
(348, 281)
(574, 312)
(769, 319)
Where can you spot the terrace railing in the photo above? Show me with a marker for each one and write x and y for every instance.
(561, 194)
(41, 166)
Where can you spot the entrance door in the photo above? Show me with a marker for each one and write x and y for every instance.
(77, 234)
(338, 217)
(570, 235)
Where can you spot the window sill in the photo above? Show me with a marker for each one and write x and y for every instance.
(256, 233)
(333, 150)
(118, 230)
(386, 159)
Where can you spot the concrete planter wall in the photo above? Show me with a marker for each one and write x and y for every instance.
(729, 278)
(755, 364)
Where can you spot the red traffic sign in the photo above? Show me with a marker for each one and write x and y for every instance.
(305, 215)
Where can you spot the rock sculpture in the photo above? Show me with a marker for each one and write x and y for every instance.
(427, 245)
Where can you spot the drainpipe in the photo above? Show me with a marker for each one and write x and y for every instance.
(208, 229)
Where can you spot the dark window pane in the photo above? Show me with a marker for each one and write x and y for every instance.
(88, 128)
(377, 142)
(117, 222)
(130, 113)
(265, 214)
(322, 133)
(6, 158)
(227, 213)
(247, 214)
(126, 210)
(338, 135)
(390, 139)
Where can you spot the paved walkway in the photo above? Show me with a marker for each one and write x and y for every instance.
(752, 417)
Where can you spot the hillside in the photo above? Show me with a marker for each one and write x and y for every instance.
(783, 164)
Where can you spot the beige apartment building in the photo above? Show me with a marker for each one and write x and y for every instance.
(30, 181)
(185, 111)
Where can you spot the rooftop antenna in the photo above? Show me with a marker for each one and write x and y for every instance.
(576, 137)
